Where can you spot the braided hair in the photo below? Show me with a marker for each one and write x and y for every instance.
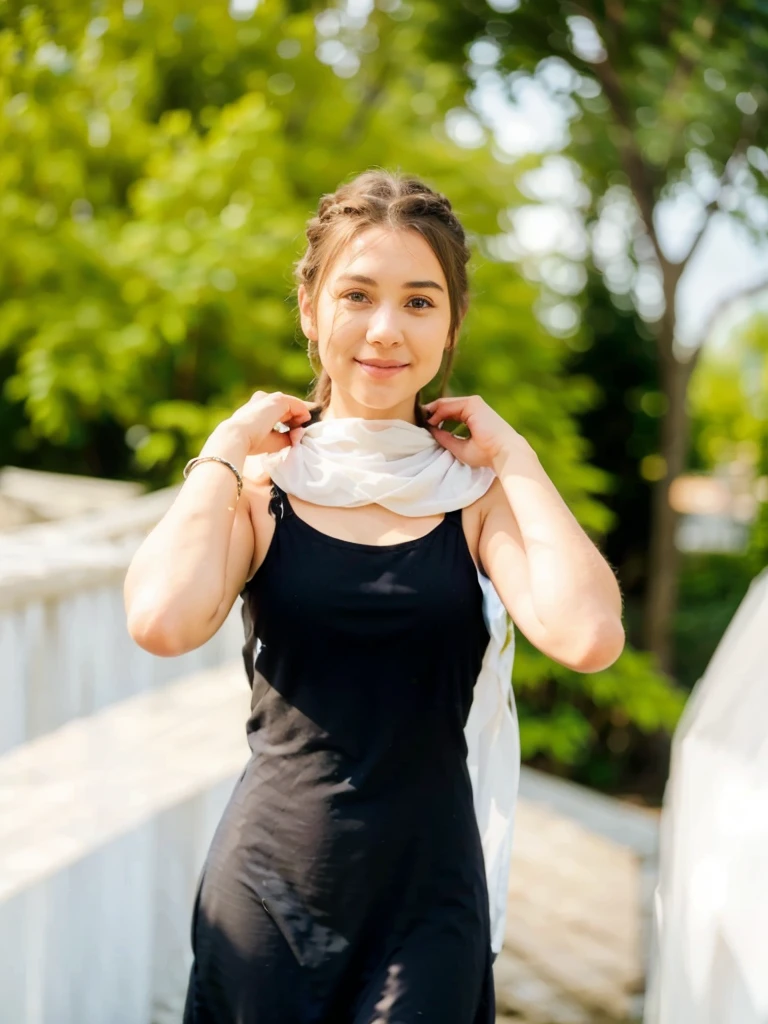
(381, 198)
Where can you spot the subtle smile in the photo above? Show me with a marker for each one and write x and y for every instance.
(381, 368)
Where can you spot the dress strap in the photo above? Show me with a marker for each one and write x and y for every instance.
(279, 505)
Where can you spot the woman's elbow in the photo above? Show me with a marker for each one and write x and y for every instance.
(154, 638)
(605, 647)
(156, 630)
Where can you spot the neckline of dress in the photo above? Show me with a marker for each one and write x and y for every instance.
(399, 545)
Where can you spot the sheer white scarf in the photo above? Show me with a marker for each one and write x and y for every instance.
(350, 462)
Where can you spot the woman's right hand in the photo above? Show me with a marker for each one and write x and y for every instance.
(255, 420)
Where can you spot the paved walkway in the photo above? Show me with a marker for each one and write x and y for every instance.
(572, 952)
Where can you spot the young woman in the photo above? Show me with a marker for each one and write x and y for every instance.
(345, 883)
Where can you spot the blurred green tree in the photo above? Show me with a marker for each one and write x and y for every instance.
(729, 409)
(615, 350)
(158, 168)
(729, 420)
(665, 103)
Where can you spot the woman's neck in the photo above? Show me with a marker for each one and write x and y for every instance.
(343, 407)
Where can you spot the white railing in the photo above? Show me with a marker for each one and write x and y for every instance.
(114, 769)
(65, 651)
(104, 824)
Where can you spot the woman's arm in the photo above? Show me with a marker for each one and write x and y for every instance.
(553, 581)
(183, 580)
(186, 575)
(555, 584)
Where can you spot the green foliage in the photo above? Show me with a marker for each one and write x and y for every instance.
(617, 354)
(513, 362)
(712, 586)
(729, 396)
(591, 724)
(159, 164)
(729, 408)
(663, 104)
(659, 96)
(148, 281)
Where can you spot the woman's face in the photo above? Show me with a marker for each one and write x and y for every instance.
(382, 324)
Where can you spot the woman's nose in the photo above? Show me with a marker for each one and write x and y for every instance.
(383, 326)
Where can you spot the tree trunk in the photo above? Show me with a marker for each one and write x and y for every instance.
(664, 557)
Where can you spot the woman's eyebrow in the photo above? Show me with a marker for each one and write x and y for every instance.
(362, 279)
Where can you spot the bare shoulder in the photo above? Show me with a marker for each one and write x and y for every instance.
(256, 482)
(254, 471)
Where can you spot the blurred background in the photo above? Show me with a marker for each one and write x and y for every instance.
(157, 168)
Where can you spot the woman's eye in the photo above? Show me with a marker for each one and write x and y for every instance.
(416, 298)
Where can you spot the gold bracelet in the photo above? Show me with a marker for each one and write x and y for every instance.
(214, 458)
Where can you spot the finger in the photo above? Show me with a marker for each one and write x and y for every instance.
(295, 411)
(448, 408)
(274, 442)
(441, 416)
(449, 400)
(448, 440)
(296, 435)
(286, 402)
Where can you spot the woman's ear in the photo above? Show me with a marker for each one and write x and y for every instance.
(306, 314)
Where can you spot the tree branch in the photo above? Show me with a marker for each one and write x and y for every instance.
(637, 170)
(615, 12)
(724, 304)
(714, 205)
(710, 209)
(667, 19)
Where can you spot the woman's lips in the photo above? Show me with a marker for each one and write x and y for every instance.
(380, 372)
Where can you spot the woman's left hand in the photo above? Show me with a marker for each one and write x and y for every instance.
(490, 435)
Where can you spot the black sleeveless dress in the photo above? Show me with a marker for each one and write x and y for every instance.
(345, 883)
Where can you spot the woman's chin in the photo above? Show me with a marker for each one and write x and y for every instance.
(384, 403)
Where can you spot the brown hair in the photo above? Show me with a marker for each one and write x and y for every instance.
(397, 201)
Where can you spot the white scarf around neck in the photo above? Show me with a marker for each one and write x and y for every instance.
(349, 462)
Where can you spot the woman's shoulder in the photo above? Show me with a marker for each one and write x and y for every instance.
(254, 471)
(257, 485)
